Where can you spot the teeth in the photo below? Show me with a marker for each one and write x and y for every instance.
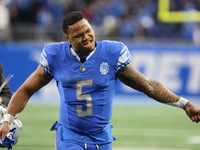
(87, 42)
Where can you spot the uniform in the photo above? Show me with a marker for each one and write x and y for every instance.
(86, 89)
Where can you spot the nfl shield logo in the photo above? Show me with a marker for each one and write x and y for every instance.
(104, 68)
(82, 68)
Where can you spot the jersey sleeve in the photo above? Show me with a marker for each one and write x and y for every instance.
(124, 58)
(45, 64)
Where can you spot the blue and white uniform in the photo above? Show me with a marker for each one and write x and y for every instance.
(86, 89)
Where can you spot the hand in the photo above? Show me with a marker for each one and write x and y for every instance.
(193, 112)
(5, 128)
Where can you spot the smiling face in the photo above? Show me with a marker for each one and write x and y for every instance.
(81, 36)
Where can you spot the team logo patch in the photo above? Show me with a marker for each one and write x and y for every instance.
(104, 68)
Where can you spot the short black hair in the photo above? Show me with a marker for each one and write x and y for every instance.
(70, 19)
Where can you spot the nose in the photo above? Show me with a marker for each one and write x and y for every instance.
(85, 37)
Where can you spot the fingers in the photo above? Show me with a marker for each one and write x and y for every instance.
(5, 128)
(195, 118)
(3, 136)
(193, 112)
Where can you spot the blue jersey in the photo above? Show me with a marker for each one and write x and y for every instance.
(86, 89)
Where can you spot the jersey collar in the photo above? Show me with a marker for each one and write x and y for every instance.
(79, 57)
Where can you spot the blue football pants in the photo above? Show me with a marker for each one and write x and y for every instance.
(74, 145)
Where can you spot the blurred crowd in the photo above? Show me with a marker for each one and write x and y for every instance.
(109, 18)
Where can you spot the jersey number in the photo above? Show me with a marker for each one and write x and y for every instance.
(80, 96)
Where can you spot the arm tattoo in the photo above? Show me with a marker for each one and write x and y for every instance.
(161, 93)
(151, 88)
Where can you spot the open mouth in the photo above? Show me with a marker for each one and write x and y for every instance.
(87, 42)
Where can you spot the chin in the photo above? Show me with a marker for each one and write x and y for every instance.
(90, 46)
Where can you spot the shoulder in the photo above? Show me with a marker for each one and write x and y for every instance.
(113, 46)
(112, 43)
(54, 48)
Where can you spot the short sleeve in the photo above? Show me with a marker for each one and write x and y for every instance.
(124, 58)
(44, 63)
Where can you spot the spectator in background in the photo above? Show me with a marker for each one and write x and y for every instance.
(133, 18)
(4, 21)
(24, 11)
(127, 26)
(191, 30)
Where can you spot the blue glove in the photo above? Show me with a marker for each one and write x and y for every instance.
(9, 140)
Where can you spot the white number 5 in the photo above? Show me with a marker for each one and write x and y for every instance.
(80, 96)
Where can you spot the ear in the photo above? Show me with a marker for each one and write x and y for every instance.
(67, 38)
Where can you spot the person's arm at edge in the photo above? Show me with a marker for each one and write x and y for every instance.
(35, 81)
(155, 90)
(6, 93)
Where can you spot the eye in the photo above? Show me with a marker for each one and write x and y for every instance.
(88, 30)
(76, 36)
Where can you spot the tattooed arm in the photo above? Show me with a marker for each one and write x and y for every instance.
(151, 88)
(155, 90)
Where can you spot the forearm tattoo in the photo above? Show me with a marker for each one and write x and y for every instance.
(151, 88)
(160, 93)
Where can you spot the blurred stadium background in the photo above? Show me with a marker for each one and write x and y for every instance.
(164, 39)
